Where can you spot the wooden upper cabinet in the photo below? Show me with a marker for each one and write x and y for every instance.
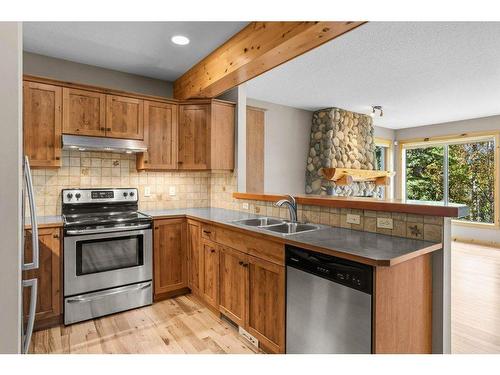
(233, 281)
(160, 134)
(170, 261)
(195, 264)
(48, 307)
(194, 136)
(124, 117)
(222, 134)
(266, 303)
(42, 124)
(84, 112)
(210, 283)
(255, 130)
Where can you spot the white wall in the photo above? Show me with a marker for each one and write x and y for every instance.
(70, 71)
(492, 123)
(10, 192)
(385, 133)
(287, 132)
(450, 128)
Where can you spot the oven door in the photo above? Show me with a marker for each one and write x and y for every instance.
(105, 260)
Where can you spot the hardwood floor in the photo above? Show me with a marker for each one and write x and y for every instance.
(475, 294)
(178, 325)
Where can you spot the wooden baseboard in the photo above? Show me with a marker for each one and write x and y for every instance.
(171, 294)
(48, 323)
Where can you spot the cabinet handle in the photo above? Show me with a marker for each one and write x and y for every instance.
(103, 129)
(108, 129)
(55, 236)
(212, 250)
(240, 263)
(156, 228)
(207, 232)
(245, 265)
(145, 162)
(58, 158)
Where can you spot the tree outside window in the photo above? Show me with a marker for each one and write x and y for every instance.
(454, 173)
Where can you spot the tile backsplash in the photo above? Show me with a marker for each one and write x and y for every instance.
(103, 169)
(202, 189)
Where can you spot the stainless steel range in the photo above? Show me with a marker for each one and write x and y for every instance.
(108, 264)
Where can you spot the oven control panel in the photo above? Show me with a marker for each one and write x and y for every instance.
(79, 196)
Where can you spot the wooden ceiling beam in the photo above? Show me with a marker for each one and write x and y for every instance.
(257, 48)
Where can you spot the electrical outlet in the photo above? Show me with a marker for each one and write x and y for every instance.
(171, 190)
(249, 337)
(384, 222)
(353, 219)
(245, 206)
(147, 191)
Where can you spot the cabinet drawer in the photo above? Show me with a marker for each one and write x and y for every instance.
(208, 232)
(260, 248)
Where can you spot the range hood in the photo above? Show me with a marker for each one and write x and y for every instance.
(83, 143)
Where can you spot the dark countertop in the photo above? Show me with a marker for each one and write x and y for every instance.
(369, 248)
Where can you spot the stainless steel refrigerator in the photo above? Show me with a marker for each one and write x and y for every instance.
(32, 283)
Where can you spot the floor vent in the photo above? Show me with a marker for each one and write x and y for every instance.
(249, 337)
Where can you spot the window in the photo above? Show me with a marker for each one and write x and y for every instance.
(456, 171)
(380, 162)
(383, 162)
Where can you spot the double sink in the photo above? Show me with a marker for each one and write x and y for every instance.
(277, 226)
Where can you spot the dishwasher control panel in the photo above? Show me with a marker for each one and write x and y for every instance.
(351, 274)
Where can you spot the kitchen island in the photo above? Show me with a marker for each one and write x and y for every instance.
(202, 250)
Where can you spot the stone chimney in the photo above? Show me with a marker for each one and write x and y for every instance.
(340, 139)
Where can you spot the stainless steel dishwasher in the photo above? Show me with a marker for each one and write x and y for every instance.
(329, 304)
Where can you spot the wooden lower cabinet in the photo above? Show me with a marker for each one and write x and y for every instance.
(210, 282)
(169, 253)
(48, 307)
(195, 258)
(233, 284)
(266, 303)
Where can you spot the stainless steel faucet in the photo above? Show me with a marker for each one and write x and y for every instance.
(292, 207)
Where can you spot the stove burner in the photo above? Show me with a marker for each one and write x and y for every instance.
(105, 212)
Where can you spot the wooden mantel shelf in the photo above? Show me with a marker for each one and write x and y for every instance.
(362, 203)
(346, 176)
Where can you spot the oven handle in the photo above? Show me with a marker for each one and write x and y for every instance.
(99, 295)
(106, 230)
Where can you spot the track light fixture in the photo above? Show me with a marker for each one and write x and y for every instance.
(377, 108)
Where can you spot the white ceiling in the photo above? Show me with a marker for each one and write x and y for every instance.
(420, 72)
(142, 48)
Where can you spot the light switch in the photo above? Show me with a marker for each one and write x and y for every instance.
(147, 191)
(171, 190)
(384, 222)
(353, 219)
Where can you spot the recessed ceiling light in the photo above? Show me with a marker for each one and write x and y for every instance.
(181, 40)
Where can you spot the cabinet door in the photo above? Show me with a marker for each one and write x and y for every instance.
(233, 279)
(160, 134)
(222, 136)
(266, 303)
(255, 150)
(170, 271)
(42, 124)
(124, 117)
(48, 274)
(194, 136)
(194, 257)
(84, 112)
(210, 284)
